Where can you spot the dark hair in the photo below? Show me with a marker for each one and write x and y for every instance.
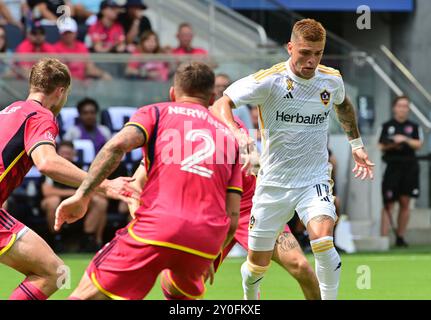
(49, 74)
(86, 101)
(65, 143)
(3, 49)
(395, 101)
(144, 37)
(195, 79)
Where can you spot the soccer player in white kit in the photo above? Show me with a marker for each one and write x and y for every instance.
(295, 99)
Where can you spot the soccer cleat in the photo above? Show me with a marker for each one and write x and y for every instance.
(400, 242)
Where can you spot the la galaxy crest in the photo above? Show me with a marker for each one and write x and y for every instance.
(252, 222)
(325, 96)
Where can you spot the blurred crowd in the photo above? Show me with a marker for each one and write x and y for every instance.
(87, 26)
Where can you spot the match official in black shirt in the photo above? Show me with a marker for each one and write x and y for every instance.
(399, 140)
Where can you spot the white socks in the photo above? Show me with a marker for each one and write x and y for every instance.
(328, 267)
(252, 276)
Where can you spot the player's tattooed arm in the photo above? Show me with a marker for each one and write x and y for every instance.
(347, 117)
(108, 159)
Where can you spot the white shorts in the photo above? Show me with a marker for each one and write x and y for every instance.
(273, 207)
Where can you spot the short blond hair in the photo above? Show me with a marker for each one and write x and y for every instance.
(309, 30)
(49, 74)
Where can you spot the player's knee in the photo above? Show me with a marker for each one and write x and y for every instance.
(54, 268)
(302, 270)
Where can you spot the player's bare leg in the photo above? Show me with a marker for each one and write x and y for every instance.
(386, 222)
(86, 290)
(327, 259)
(50, 204)
(32, 256)
(95, 220)
(288, 254)
(253, 271)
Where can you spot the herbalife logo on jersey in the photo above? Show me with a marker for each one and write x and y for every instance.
(300, 119)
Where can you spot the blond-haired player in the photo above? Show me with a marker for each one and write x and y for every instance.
(295, 99)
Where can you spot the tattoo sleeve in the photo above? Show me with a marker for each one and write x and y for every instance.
(108, 159)
(347, 117)
(286, 242)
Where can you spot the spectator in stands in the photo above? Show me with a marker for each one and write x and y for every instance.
(11, 13)
(399, 140)
(150, 70)
(46, 9)
(86, 10)
(107, 35)
(5, 68)
(87, 127)
(222, 82)
(185, 38)
(34, 43)
(134, 22)
(54, 192)
(3, 43)
(69, 44)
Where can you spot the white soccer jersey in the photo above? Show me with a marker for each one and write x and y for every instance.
(294, 119)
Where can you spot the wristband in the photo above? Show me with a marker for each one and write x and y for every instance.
(356, 144)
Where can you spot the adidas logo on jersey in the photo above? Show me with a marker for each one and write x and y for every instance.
(289, 95)
(300, 119)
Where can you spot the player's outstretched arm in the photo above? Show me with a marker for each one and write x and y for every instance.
(109, 157)
(347, 117)
(233, 203)
(222, 109)
(141, 178)
(49, 163)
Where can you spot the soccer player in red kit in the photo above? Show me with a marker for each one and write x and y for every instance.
(189, 204)
(28, 132)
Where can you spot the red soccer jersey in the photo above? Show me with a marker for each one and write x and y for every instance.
(25, 126)
(192, 162)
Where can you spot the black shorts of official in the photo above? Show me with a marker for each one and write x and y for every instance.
(400, 180)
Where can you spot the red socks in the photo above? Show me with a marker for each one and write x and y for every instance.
(26, 291)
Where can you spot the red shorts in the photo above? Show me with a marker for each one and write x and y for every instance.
(127, 268)
(9, 230)
(241, 237)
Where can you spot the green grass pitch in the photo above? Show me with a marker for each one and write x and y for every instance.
(398, 274)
